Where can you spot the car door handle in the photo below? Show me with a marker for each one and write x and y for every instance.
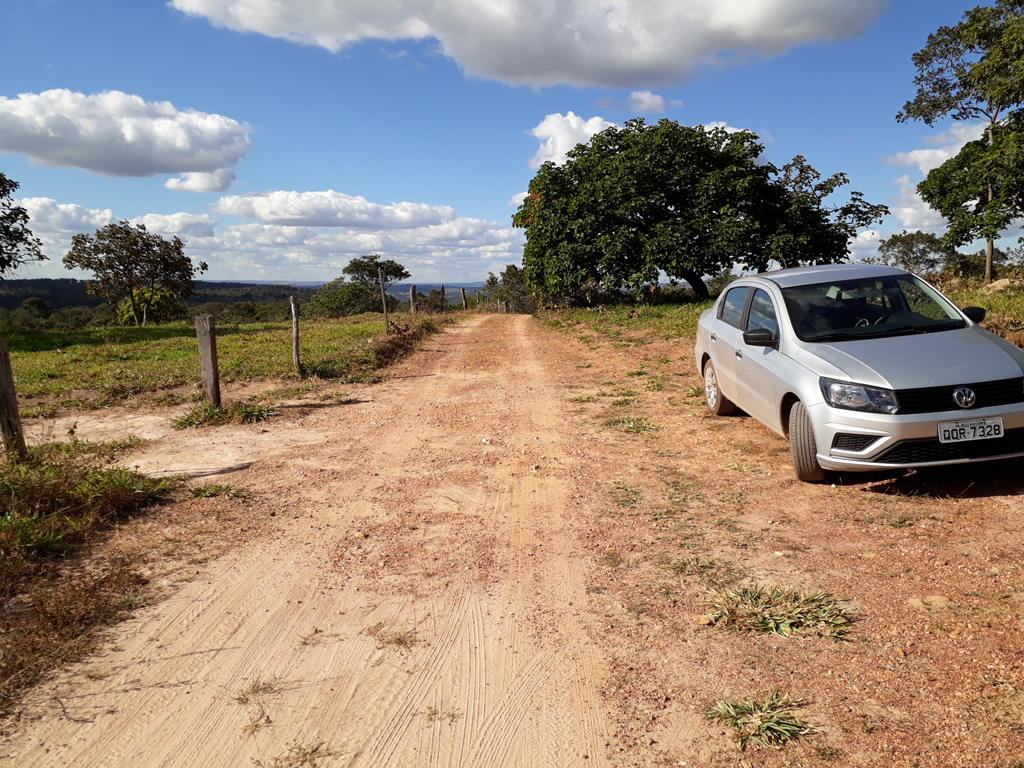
(713, 337)
(738, 353)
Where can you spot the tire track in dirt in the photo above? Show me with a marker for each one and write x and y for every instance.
(434, 505)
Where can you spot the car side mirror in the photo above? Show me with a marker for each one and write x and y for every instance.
(760, 337)
(974, 314)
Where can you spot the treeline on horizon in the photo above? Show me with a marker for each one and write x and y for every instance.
(64, 292)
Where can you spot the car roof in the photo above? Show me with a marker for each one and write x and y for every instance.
(785, 278)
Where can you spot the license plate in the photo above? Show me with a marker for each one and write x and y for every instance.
(970, 429)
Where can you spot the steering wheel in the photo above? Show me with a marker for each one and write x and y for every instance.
(883, 318)
(861, 322)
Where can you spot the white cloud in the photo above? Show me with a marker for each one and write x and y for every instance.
(517, 199)
(950, 143)
(183, 225)
(331, 209)
(559, 133)
(646, 102)
(723, 125)
(47, 216)
(431, 241)
(864, 243)
(614, 43)
(912, 211)
(117, 134)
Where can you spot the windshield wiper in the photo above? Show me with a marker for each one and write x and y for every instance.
(836, 336)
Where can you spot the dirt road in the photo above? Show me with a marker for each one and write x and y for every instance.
(506, 555)
(422, 602)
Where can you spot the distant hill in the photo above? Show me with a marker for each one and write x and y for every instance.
(67, 292)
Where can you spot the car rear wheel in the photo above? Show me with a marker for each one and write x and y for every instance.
(718, 403)
(802, 447)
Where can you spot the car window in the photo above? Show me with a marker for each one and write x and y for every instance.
(732, 306)
(868, 307)
(762, 313)
(919, 300)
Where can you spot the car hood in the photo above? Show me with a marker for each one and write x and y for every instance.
(917, 360)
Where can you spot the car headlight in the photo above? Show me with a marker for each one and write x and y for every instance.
(857, 397)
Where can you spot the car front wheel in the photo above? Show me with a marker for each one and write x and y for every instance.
(802, 447)
(718, 403)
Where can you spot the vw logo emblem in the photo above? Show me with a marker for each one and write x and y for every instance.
(964, 397)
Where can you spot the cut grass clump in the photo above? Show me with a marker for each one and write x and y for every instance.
(627, 495)
(632, 424)
(777, 611)
(205, 414)
(211, 490)
(770, 723)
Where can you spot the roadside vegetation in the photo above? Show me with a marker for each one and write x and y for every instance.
(58, 501)
(96, 367)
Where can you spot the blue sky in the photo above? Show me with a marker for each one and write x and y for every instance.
(281, 138)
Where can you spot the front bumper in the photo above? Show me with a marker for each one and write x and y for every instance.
(864, 442)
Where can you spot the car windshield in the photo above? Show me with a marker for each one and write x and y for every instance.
(849, 310)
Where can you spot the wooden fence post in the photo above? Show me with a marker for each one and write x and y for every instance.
(206, 332)
(412, 300)
(10, 419)
(384, 298)
(444, 299)
(295, 335)
(465, 304)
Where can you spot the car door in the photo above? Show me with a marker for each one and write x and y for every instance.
(725, 340)
(757, 386)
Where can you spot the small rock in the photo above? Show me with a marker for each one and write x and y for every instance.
(703, 620)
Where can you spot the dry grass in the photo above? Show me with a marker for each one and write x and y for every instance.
(777, 611)
(397, 638)
(297, 755)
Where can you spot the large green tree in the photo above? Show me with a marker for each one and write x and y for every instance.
(17, 243)
(129, 262)
(921, 252)
(340, 298)
(642, 200)
(975, 71)
(363, 270)
(510, 285)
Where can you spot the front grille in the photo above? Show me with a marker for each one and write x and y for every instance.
(935, 399)
(930, 449)
(847, 442)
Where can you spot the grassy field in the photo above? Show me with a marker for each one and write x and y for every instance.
(94, 367)
(630, 325)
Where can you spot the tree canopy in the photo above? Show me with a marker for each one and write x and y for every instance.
(17, 243)
(510, 285)
(642, 200)
(920, 252)
(363, 270)
(129, 262)
(340, 298)
(975, 71)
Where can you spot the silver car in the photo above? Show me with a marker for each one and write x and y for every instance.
(863, 368)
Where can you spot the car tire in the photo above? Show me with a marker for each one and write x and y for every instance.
(717, 403)
(802, 447)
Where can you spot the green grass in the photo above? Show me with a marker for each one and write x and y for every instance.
(206, 415)
(56, 501)
(117, 363)
(631, 424)
(770, 723)
(665, 321)
(777, 611)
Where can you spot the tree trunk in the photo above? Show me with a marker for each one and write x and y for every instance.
(989, 245)
(696, 283)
